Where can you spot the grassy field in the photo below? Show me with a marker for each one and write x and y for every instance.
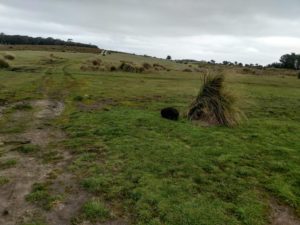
(103, 154)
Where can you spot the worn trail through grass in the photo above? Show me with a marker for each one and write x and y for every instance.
(90, 148)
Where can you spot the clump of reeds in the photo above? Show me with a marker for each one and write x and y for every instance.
(214, 105)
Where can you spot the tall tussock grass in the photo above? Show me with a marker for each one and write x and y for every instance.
(3, 64)
(215, 105)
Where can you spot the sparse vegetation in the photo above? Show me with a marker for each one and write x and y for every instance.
(3, 180)
(22, 106)
(6, 164)
(213, 104)
(41, 196)
(29, 148)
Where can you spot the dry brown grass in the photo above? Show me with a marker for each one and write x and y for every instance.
(214, 105)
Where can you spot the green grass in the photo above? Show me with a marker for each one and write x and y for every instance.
(94, 210)
(23, 106)
(41, 196)
(3, 180)
(9, 163)
(29, 148)
(155, 171)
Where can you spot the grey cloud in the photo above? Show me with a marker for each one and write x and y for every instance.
(221, 29)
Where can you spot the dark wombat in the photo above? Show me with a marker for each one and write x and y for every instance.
(170, 113)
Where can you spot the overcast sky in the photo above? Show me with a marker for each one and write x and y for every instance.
(248, 31)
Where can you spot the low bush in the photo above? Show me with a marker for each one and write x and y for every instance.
(41, 196)
(9, 57)
(78, 98)
(187, 70)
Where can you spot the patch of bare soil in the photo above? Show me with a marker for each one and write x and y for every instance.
(282, 215)
(22, 177)
(113, 222)
(96, 106)
(29, 169)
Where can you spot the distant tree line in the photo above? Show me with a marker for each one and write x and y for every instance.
(288, 61)
(26, 40)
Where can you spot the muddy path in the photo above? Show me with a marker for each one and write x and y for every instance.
(36, 167)
(282, 214)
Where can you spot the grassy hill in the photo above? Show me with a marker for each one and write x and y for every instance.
(84, 143)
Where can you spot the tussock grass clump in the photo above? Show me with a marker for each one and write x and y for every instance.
(3, 64)
(214, 105)
(147, 66)
(126, 67)
(187, 70)
(9, 57)
(131, 68)
(96, 62)
(94, 210)
(159, 67)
